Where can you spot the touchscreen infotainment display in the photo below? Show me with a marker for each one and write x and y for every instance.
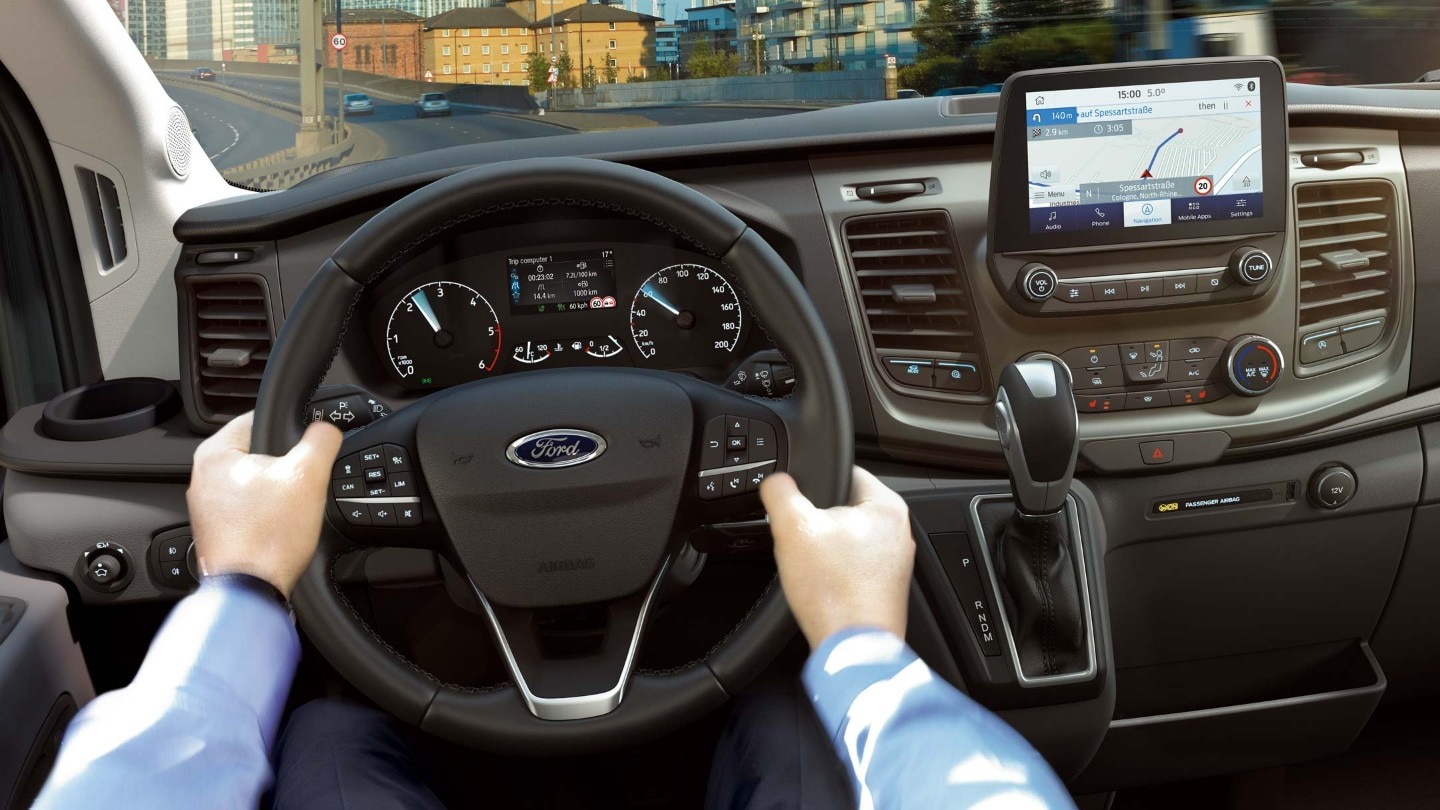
(1140, 156)
(1139, 153)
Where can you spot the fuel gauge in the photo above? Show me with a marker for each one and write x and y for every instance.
(604, 347)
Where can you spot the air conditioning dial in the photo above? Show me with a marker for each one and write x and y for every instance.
(1253, 365)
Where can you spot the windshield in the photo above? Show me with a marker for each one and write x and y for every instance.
(537, 68)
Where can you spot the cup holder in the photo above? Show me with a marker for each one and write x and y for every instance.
(109, 409)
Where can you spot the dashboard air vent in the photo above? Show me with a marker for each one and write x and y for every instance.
(911, 283)
(1348, 252)
(230, 338)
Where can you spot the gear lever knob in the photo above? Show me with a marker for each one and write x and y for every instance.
(1037, 422)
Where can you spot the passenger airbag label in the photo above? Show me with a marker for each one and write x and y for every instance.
(1172, 506)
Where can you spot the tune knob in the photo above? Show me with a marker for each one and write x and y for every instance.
(1251, 265)
(1253, 365)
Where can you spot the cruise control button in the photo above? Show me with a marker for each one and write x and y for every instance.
(407, 514)
(912, 372)
(957, 376)
(347, 467)
(1179, 285)
(1073, 293)
(1099, 403)
(1108, 377)
(397, 458)
(348, 487)
(376, 474)
(1092, 357)
(1147, 399)
(379, 490)
(710, 486)
(762, 441)
(355, 514)
(372, 457)
(756, 476)
(401, 485)
(1144, 288)
(1194, 371)
(1146, 373)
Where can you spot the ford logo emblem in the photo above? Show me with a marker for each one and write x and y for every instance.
(555, 448)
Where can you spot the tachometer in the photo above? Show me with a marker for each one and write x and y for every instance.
(442, 333)
(686, 314)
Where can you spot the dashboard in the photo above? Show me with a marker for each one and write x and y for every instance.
(573, 291)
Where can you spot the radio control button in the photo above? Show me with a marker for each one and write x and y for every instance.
(1251, 265)
(1092, 357)
(1147, 399)
(1109, 291)
(1179, 285)
(407, 515)
(1318, 346)
(1212, 282)
(1038, 282)
(1073, 293)
(1144, 288)
(1108, 377)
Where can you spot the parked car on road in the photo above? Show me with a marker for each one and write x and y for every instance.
(967, 90)
(993, 87)
(909, 94)
(432, 104)
(203, 74)
(358, 104)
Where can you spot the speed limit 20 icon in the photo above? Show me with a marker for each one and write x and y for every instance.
(1203, 186)
(338, 41)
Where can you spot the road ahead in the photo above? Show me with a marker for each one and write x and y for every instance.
(235, 131)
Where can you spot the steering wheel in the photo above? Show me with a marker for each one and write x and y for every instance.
(559, 487)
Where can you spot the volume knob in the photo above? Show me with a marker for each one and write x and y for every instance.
(1253, 365)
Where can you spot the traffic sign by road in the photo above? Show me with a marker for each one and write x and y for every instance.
(338, 41)
(429, 76)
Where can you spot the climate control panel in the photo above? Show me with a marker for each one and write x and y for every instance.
(1171, 372)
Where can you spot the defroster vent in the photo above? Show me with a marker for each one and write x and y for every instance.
(911, 284)
(1348, 251)
(230, 339)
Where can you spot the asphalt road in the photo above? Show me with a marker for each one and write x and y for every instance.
(230, 133)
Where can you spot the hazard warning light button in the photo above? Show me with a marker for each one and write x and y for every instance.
(1157, 452)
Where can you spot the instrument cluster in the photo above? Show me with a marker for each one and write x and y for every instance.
(451, 320)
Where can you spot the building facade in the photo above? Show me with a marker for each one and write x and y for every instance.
(145, 20)
(492, 45)
(712, 24)
(845, 34)
(385, 42)
(667, 46)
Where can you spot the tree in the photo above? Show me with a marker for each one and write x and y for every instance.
(947, 28)
(566, 68)
(591, 77)
(1087, 42)
(537, 72)
(931, 74)
(706, 63)
(612, 73)
(1011, 16)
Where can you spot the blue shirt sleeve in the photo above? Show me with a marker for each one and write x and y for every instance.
(194, 728)
(911, 740)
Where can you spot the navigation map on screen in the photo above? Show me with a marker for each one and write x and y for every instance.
(1104, 158)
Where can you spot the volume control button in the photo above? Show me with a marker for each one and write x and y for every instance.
(1037, 282)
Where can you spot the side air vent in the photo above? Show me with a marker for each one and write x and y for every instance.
(107, 219)
(911, 284)
(230, 338)
(1348, 255)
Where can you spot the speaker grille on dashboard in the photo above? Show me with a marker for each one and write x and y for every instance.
(177, 142)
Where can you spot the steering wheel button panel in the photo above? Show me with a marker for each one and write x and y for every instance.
(347, 467)
(379, 490)
(348, 487)
(407, 515)
(401, 484)
(397, 458)
(356, 514)
(382, 514)
(762, 441)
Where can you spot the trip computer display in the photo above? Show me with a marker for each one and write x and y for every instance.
(562, 282)
(1123, 154)
(1138, 156)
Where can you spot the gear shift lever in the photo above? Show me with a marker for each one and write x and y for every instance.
(1036, 418)
(1035, 560)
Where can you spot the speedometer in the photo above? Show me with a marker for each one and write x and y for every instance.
(442, 333)
(686, 314)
